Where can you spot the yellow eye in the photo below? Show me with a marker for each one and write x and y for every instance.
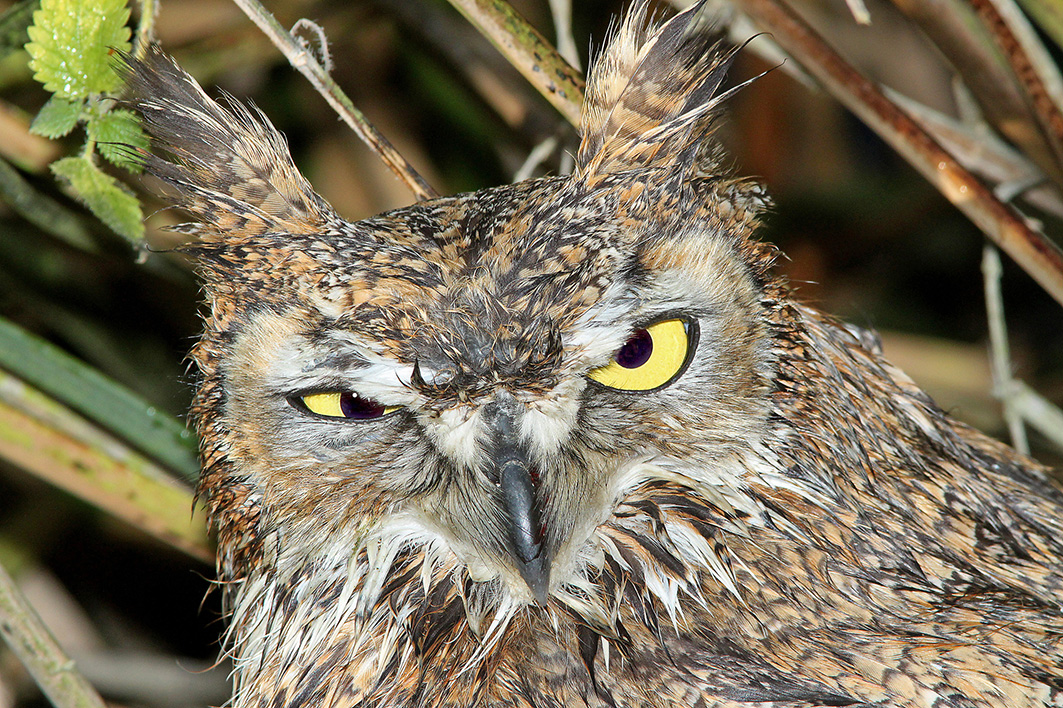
(653, 357)
(343, 404)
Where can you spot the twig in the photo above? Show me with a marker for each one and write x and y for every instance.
(965, 42)
(1038, 412)
(304, 61)
(859, 11)
(561, 11)
(984, 153)
(1021, 403)
(1044, 109)
(37, 649)
(139, 676)
(325, 57)
(536, 157)
(1032, 251)
(1001, 354)
(528, 51)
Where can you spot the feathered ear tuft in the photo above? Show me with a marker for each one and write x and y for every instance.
(651, 95)
(229, 165)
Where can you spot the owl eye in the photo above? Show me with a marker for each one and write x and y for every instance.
(343, 404)
(652, 358)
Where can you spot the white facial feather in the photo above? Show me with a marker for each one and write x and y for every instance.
(456, 432)
(549, 420)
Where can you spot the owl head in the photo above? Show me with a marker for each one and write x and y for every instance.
(480, 377)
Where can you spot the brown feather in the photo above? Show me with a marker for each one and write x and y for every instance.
(787, 522)
(652, 95)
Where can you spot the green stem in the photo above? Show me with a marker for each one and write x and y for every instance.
(149, 13)
(528, 51)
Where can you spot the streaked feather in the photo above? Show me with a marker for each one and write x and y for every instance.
(228, 165)
(652, 95)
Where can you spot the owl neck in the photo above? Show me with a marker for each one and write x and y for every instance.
(376, 626)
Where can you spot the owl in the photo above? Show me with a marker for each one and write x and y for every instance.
(573, 442)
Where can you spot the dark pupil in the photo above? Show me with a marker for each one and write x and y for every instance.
(637, 350)
(353, 406)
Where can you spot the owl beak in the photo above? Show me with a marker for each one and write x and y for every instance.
(522, 512)
(517, 482)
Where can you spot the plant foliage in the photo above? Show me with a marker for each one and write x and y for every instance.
(72, 47)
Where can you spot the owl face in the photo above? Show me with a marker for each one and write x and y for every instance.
(490, 371)
(487, 375)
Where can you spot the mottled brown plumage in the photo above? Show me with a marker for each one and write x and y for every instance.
(428, 492)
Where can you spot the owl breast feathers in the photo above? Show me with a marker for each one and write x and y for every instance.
(571, 442)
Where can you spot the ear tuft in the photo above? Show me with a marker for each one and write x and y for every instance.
(230, 167)
(652, 94)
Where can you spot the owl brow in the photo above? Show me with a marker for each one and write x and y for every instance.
(323, 385)
(649, 317)
(341, 361)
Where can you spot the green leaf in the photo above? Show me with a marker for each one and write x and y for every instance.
(57, 117)
(72, 42)
(98, 398)
(103, 195)
(13, 24)
(115, 133)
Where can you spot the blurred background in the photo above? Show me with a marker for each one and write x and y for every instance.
(864, 236)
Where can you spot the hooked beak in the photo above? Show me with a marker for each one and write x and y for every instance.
(517, 481)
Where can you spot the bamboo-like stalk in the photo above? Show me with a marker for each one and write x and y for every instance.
(46, 439)
(105, 402)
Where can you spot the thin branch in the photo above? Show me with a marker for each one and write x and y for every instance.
(859, 11)
(528, 51)
(300, 57)
(983, 152)
(965, 42)
(1035, 44)
(1031, 250)
(538, 155)
(561, 11)
(149, 15)
(1001, 353)
(1038, 411)
(1044, 109)
(37, 649)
